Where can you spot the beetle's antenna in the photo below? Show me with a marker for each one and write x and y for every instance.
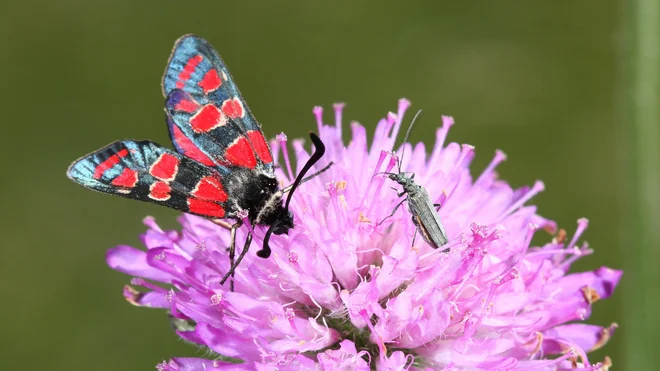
(406, 138)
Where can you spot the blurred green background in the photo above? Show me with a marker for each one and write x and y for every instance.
(540, 80)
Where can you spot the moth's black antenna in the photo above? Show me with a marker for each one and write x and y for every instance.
(319, 150)
(265, 248)
(406, 138)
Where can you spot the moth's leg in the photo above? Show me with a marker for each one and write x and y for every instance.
(232, 269)
(227, 226)
(246, 247)
(222, 223)
(232, 253)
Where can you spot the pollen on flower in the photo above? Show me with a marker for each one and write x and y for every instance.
(132, 295)
(590, 295)
(201, 247)
(334, 188)
(282, 139)
(289, 314)
(242, 214)
(293, 257)
(355, 288)
(560, 238)
(604, 336)
(216, 298)
(362, 218)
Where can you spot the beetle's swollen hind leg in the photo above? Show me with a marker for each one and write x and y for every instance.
(393, 211)
(414, 236)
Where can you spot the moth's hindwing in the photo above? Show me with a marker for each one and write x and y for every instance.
(148, 172)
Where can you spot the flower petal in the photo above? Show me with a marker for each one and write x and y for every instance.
(132, 261)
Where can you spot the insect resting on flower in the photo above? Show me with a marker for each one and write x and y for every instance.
(222, 166)
(422, 209)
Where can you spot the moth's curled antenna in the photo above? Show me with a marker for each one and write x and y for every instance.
(265, 249)
(319, 151)
(278, 227)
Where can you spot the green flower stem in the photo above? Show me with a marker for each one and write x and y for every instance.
(642, 271)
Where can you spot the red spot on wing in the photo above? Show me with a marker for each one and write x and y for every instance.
(240, 153)
(260, 146)
(128, 178)
(206, 208)
(211, 81)
(188, 148)
(233, 108)
(188, 70)
(210, 188)
(207, 119)
(165, 167)
(109, 163)
(160, 191)
(187, 105)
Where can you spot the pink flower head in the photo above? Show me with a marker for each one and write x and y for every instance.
(347, 289)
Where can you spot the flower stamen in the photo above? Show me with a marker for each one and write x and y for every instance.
(282, 139)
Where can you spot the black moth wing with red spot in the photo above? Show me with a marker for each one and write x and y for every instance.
(223, 166)
(146, 171)
(210, 122)
(208, 118)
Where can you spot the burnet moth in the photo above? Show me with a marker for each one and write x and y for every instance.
(222, 167)
(422, 209)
